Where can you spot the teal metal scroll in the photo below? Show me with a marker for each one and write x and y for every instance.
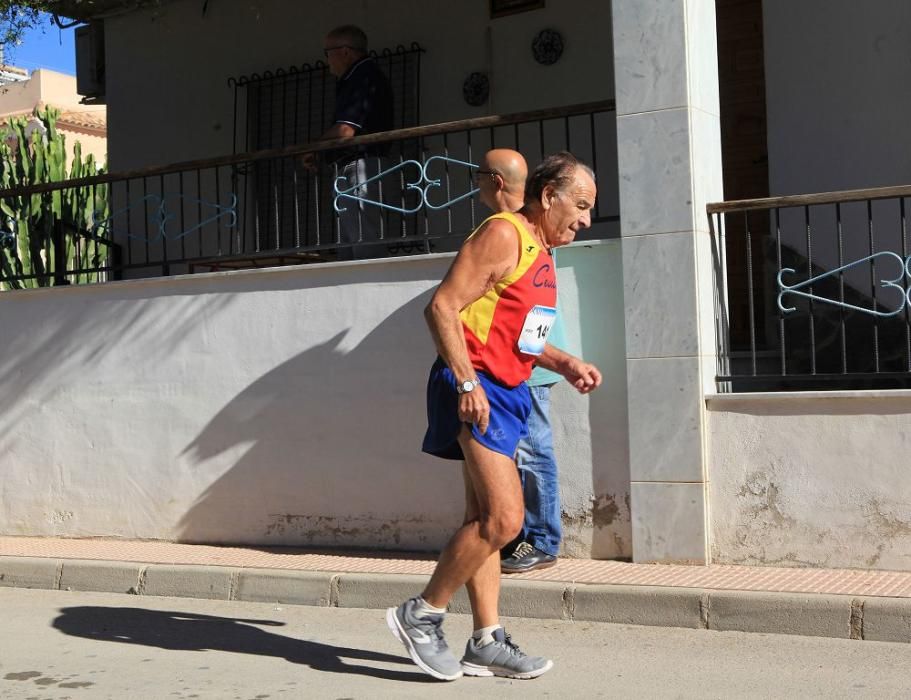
(422, 185)
(795, 289)
(160, 215)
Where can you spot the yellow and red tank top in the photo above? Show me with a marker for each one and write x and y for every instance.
(506, 328)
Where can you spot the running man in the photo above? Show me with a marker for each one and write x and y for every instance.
(489, 319)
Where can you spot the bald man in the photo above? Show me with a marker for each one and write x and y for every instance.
(501, 181)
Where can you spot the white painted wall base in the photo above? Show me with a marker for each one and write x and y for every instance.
(281, 407)
(811, 480)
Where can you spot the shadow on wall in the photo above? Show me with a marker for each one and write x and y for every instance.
(331, 450)
(67, 338)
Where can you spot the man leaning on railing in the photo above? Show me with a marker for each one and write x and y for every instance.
(363, 105)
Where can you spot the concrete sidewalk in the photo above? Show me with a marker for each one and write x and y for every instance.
(850, 604)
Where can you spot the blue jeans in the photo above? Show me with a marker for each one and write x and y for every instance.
(538, 471)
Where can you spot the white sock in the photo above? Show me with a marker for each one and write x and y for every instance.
(424, 608)
(484, 636)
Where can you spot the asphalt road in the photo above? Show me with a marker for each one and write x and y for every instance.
(56, 644)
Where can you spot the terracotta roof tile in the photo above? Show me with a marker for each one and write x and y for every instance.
(90, 120)
(96, 120)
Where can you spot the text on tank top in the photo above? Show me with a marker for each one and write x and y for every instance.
(506, 329)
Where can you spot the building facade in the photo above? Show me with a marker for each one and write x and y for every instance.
(225, 428)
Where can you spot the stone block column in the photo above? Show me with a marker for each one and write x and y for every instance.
(669, 159)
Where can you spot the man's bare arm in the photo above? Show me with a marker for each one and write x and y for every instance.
(491, 254)
(584, 376)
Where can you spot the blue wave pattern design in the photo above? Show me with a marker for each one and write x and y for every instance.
(161, 215)
(904, 265)
(422, 183)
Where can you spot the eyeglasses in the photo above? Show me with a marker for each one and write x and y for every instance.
(333, 48)
(476, 175)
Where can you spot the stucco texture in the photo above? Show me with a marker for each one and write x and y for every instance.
(279, 407)
(172, 54)
(811, 481)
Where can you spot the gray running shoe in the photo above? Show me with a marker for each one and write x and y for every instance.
(502, 658)
(423, 638)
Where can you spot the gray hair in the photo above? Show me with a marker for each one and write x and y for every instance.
(558, 171)
(352, 35)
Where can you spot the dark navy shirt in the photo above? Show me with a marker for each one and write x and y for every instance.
(363, 99)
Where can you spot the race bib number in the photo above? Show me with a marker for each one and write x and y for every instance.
(534, 332)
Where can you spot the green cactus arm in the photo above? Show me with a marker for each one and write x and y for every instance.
(49, 118)
(24, 161)
(22, 259)
(77, 171)
(39, 160)
(6, 267)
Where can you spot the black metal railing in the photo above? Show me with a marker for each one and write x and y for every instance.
(58, 252)
(812, 291)
(287, 106)
(280, 206)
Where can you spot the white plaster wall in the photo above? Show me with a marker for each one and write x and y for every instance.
(281, 407)
(88, 143)
(835, 98)
(811, 480)
(167, 67)
(47, 86)
(591, 434)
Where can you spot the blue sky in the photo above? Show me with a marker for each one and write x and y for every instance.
(46, 46)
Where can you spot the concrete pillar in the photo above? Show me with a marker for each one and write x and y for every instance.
(669, 157)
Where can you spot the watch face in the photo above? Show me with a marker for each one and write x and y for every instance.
(467, 386)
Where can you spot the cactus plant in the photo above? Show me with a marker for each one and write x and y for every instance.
(44, 235)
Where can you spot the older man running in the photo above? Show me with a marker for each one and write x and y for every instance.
(501, 187)
(489, 319)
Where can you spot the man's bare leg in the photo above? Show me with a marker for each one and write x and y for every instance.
(473, 552)
(484, 586)
(489, 651)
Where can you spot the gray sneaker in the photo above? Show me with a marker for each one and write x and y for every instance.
(423, 638)
(502, 658)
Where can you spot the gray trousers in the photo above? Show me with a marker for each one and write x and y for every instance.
(362, 222)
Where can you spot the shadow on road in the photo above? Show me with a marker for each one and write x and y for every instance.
(185, 631)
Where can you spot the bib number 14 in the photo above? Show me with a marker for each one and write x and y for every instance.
(537, 325)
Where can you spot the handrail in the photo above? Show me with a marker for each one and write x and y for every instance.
(319, 146)
(800, 200)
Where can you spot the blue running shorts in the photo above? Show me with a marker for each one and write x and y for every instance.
(509, 411)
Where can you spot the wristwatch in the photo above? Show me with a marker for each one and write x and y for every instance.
(467, 386)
